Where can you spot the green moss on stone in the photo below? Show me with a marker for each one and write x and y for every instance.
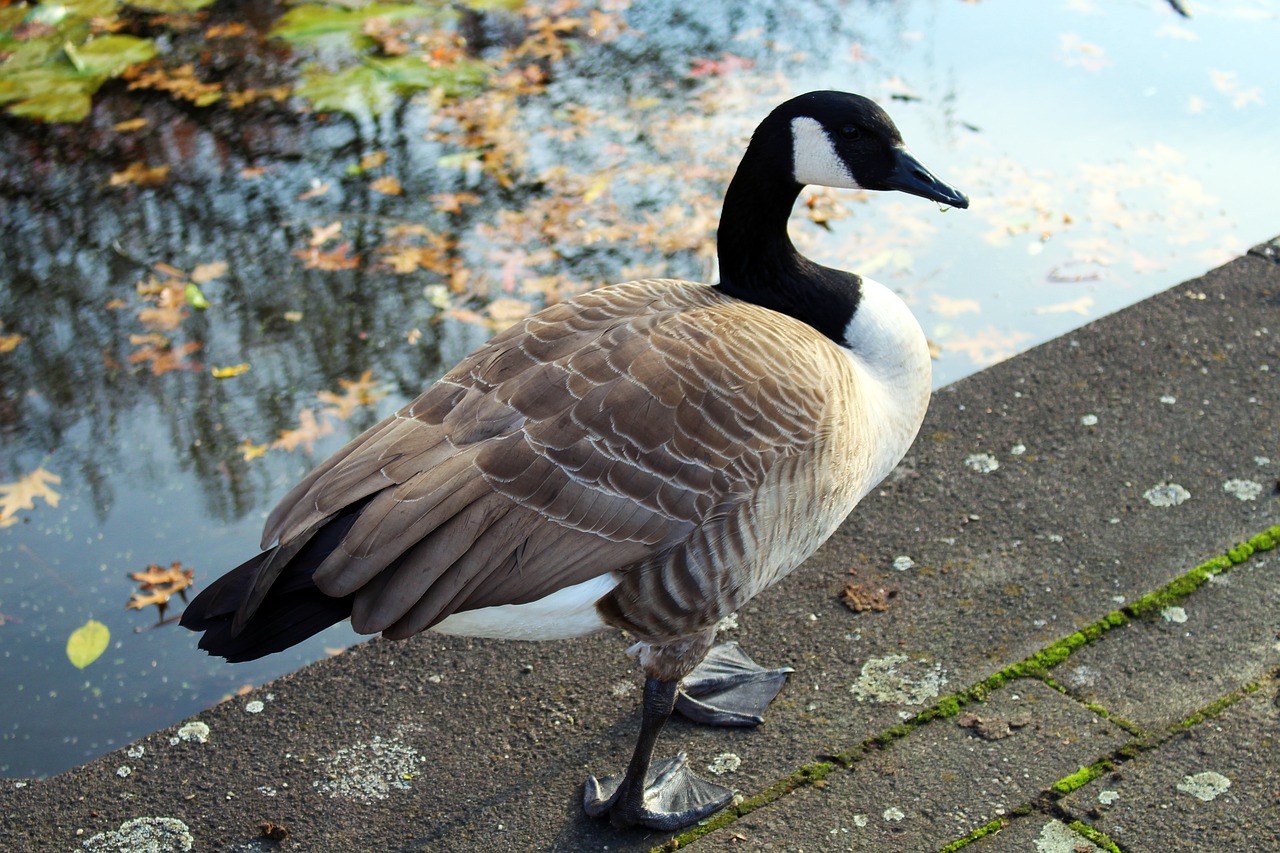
(987, 829)
(1097, 837)
(1081, 777)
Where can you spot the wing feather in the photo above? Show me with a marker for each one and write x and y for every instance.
(596, 436)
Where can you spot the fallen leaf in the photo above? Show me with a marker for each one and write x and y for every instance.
(157, 585)
(373, 160)
(1079, 306)
(317, 189)
(987, 346)
(194, 296)
(858, 597)
(250, 451)
(235, 28)
(205, 273)
(305, 435)
(139, 175)
(8, 343)
(386, 185)
(180, 82)
(153, 575)
(337, 259)
(230, 370)
(947, 306)
(504, 311)
(453, 202)
(356, 393)
(87, 643)
(21, 494)
(130, 124)
(321, 234)
(162, 359)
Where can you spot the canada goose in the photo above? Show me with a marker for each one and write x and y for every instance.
(646, 456)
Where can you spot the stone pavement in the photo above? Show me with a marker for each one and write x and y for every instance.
(1062, 645)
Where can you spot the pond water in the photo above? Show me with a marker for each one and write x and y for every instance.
(1111, 149)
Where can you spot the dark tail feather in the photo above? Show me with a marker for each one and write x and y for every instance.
(292, 611)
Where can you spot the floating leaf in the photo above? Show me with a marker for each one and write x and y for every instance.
(338, 259)
(21, 494)
(169, 5)
(137, 173)
(194, 297)
(107, 56)
(8, 343)
(313, 20)
(205, 273)
(387, 185)
(250, 451)
(305, 435)
(87, 643)
(230, 371)
(360, 392)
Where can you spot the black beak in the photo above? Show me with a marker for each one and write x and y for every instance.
(910, 176)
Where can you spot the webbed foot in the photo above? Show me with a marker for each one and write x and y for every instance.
(729, 689)
(673, 797)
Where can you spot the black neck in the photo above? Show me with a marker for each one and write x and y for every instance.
(758, 262)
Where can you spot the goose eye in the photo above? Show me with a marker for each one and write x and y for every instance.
(849, 132)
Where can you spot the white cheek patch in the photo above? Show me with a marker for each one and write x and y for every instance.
(814, 158)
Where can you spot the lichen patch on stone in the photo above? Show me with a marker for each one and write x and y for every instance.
(1166, 494)
(983, 463)
(143, 835)
(1205, 786)
(370, 770)
(900, 680)
(1245, 490)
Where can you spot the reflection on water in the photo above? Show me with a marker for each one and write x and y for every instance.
(1110, 152)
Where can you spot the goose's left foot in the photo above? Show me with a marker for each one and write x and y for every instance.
(672, 797)
(663, 796)
(729, 689)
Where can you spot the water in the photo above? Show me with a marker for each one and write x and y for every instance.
(1111, 150)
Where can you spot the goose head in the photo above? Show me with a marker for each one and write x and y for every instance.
(833, 139)
(847, 141)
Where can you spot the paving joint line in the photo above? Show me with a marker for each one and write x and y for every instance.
(1034, 666)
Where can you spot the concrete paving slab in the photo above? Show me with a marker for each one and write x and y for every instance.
(939, 783)
(440, 744)
(1034, 833)
(1158, 671)
(1215, 788)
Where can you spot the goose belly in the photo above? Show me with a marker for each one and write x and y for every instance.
(565, 613)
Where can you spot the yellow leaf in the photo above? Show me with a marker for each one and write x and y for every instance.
(87, 643)
(596, 188)
(250, 451)
(8, 343)
(21, 494)
(130, 124)
(205, 273)
(232, 370)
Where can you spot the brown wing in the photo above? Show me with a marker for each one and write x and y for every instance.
(581, 441)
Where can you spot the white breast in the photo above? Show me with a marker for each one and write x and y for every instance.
(891, 357)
